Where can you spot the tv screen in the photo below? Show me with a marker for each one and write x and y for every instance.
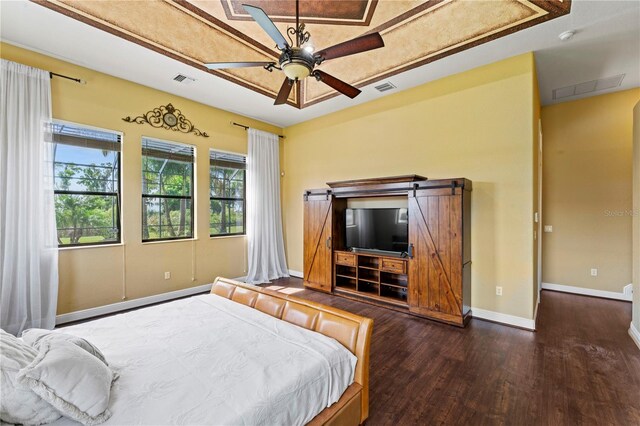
(377, 229)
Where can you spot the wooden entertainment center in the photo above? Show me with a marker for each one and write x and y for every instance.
(432, 279)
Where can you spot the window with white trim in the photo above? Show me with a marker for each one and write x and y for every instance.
(227, 193)
(167, 190)
(86, 184)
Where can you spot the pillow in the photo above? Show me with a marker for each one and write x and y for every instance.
(73, 381)
(37, 336)
(18, 403)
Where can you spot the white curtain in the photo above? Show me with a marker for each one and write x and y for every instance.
(264, 217)
(28, 244)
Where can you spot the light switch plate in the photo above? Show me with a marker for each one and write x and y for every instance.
(548, 228)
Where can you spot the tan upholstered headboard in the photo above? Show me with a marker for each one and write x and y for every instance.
(352, 331)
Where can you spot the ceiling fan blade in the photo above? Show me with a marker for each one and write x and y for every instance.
(223, 65)
(342, 87)
(356, 45)
(283, 94)
(267, 25)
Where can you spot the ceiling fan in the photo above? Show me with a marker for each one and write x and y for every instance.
(298, 59)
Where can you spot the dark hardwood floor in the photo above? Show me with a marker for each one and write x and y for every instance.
(580, 367)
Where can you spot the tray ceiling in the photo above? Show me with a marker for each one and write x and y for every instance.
(415, 33)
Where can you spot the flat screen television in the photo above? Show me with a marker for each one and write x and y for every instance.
(377, 229)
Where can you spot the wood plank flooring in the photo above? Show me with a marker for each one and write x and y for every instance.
(580, 368)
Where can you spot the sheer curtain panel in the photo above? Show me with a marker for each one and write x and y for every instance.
(28, 240)
(264, 217)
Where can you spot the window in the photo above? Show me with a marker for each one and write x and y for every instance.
(167, 190)
(86, 185)
(227, 193)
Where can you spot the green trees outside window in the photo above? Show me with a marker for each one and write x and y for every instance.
(86, 174)
(167, 190)
(227, 193)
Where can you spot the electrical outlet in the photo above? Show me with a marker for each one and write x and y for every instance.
(594, 272)
(167, 275)
(498, 291)
(548, 228)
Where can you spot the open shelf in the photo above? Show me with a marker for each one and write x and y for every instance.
(393, 279)
(393, 292)
(370, 277)
(368, 261)
(367, 287)
(346, 271)
(345, 282)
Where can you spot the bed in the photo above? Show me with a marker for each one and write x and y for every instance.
(240, 355)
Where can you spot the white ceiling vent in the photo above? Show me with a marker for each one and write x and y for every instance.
(384, 87)
(180, 78)
(588, 87)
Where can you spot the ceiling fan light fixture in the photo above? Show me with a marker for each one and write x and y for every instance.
(299, 59)
(296, 70)
(297, 63)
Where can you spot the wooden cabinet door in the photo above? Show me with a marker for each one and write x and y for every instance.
(317, 242)
(435, 271)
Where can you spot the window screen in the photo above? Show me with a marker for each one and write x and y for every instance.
(87, 184)
(227, 211)
(167, 190)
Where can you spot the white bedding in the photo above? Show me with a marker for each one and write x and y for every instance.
(209, 360)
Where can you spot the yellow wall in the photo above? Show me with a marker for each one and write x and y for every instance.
(636, 216)
(478, 125)
(587, 191)
(91, 277)
(536, 184)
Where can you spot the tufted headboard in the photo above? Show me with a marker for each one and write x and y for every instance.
(352, 331)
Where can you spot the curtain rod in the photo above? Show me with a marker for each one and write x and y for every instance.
(55, 74)
(247, 127)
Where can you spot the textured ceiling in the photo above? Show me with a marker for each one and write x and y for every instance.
(415, 33)
(352, 12)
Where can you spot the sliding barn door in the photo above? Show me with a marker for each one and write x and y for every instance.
(435, 270)
(317, 242)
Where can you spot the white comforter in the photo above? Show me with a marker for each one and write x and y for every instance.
(208, 360)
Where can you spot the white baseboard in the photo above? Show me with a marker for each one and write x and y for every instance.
(129, 304)
(296, 274)
(515, 321)
(625, 295)
(635, 334)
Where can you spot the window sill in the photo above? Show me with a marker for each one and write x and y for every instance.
(181, 240)
(92, 246)
(219, 237)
